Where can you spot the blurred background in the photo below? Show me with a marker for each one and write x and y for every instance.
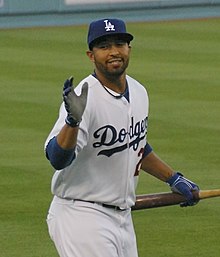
(26, 13)
(175, 55)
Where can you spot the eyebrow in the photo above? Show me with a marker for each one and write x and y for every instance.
(110, 41)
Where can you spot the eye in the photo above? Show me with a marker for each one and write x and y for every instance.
(120, 43)
(103, 45)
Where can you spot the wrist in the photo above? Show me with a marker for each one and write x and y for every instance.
(173, 177)
(72, 122)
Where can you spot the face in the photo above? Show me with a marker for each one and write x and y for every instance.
(110, 57)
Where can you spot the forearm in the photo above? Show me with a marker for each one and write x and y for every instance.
(153, 165)
(67, 137)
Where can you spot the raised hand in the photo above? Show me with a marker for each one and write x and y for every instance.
(74, 104)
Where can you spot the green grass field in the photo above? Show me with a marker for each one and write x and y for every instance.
(179, 64)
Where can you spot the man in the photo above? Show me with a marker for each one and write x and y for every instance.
(97, 146)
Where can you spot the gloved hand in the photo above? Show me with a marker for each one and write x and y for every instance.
(74, 104)
(183, 186)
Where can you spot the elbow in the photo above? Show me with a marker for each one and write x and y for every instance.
(59, 158)
(58, 166)
(61, 164)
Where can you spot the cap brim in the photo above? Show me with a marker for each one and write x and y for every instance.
(124, 36)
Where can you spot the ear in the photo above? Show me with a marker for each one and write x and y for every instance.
(90, 55)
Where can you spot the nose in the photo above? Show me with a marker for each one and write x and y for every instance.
(113, 50)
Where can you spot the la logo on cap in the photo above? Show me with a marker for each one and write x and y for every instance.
(109, 26)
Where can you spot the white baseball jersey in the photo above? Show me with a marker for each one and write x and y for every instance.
(110, 143)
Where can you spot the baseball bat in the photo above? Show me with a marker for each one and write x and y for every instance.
(167, 199)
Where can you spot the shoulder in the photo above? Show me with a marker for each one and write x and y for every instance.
(91, 80)
(133, 82)
(136, 86)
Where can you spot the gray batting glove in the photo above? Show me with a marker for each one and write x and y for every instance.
(74, 104)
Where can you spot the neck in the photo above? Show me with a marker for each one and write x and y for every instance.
(117, 84)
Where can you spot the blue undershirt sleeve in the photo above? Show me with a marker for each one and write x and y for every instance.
(147, 149)
(59, 157)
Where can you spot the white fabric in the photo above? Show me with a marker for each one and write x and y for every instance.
(110, 144)
(82, 229)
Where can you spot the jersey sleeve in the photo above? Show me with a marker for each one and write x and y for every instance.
(59, 158)
(147, 149)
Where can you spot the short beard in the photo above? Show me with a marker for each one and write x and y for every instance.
(112, 75)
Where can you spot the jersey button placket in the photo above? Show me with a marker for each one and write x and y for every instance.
(128, 149)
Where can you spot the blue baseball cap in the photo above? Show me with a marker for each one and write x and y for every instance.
(104, 27)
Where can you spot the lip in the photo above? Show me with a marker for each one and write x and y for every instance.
(115, 60)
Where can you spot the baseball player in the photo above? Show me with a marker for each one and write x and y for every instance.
(97, 147)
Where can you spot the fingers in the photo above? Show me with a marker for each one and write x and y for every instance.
(67, 86)
(191, 200)
(180, 184)
(68, 83)
(84, 92)
(71, 80)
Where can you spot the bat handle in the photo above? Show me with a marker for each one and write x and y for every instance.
(196, 195)
(203, 194)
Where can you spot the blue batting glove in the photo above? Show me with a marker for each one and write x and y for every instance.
(183, 186)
